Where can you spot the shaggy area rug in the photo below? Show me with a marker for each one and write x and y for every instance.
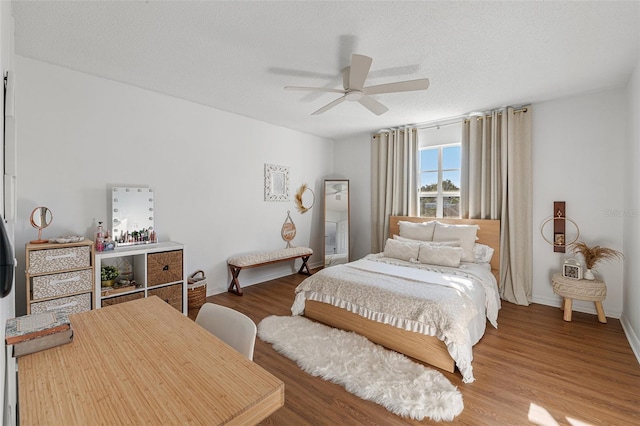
(365, 369)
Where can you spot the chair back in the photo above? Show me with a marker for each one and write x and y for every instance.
(232, 327)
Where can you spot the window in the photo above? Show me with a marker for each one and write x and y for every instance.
(440, 181)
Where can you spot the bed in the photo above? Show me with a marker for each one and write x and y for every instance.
(457, 301)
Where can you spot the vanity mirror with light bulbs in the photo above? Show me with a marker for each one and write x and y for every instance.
(132, 216)
(336, 221)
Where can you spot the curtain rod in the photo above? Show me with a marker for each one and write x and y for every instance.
(515, 111)
(459, 119)
(431, 126)
(449, 121)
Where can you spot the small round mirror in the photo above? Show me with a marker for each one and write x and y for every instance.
(41, 217)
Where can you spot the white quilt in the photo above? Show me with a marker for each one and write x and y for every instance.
(448, 303)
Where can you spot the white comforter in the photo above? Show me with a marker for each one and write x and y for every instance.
(448, 303)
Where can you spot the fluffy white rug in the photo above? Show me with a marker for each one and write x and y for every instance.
(363, 368)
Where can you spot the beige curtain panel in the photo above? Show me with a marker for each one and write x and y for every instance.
(496, 184)
(394, 165)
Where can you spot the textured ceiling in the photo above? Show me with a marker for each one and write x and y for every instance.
(237, 56)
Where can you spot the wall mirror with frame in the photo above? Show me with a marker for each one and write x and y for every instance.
(336, 221)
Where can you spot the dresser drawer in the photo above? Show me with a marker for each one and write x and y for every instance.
(172, 294)
(71, 304)
(54, 260)
(164, 267)
(45, 286)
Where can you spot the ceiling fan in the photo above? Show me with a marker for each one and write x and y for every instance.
(353, 79)
(338, 188)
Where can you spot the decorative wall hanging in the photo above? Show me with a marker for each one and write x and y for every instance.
(276, 183)
(305, 198)
(288, 230)
(559, 241)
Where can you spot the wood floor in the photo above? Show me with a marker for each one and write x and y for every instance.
(581, 370)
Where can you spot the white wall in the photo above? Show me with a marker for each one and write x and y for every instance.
(352, 160)
(578, 152)
(81, 134)
(631, 295)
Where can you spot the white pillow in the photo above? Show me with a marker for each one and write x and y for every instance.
(440, 255)
(417, 231)
(453, 243)
(401, 250)
(482, 253)
(467, 234)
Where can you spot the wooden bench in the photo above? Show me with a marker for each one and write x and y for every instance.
(252, 260)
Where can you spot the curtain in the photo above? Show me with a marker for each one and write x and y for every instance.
(496, 184)
(394, 180)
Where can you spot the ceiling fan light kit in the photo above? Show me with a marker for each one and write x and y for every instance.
(354, 77)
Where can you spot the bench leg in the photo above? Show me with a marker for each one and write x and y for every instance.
(235, 271)
(567, 308)
(601, 317)
(304, 266)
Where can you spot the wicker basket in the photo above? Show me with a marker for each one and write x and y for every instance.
(196, 290)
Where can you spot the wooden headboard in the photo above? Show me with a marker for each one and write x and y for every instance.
(489, 233)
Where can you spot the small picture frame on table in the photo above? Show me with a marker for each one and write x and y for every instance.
(571, 268)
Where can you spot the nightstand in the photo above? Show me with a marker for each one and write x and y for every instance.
(590, 290)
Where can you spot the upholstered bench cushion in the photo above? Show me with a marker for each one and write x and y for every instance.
(258, 258)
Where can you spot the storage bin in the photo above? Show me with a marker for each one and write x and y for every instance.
(172, 294)
(121, 299)
(164, 267)
(72, 304)
(196, 290)
(46, 261)
(46, 286)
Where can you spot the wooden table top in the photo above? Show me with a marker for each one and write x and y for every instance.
(143, 362)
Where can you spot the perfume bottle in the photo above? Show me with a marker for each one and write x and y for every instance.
(100, 238)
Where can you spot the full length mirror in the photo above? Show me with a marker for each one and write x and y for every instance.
(132, 216)
(336, 221)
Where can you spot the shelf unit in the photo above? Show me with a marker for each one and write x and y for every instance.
(157, 269)
(59, 276)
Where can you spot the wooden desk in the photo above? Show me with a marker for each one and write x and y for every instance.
(142, 362)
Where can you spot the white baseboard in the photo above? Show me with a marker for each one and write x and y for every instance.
(632, 337)
(578, 306)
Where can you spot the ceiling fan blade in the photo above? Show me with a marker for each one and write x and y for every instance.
(314, 89)
(401, 86)
(360, 66)
(372, 105)
(329, 106)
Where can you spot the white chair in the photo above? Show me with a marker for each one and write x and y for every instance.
(233, 327)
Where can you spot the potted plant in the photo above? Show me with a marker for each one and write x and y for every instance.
(593, 256)
(108, 275)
